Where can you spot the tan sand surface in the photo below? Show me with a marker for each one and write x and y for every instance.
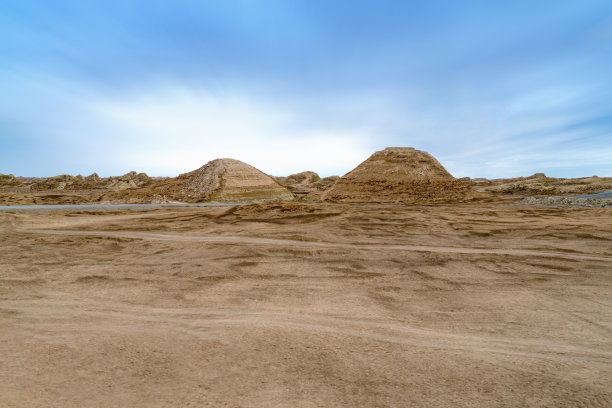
(307, 305)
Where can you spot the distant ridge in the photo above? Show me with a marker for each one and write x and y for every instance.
(396, 174)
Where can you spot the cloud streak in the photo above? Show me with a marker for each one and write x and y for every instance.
(164, 87)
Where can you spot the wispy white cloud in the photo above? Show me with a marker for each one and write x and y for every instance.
(172, 129)
(162, 88)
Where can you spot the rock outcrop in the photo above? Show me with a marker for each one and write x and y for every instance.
(306, 182)
(128, 180)
(539, 184)
(9, 180)
(224, 180)
(399, 174)
(93, 181)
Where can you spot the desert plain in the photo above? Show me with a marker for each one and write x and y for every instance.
(396, 285)
(295, 304)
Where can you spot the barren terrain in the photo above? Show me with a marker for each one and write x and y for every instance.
(307, 305)
(541, 185)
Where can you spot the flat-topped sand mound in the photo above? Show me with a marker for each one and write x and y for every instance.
(229, 180)
(399, 174)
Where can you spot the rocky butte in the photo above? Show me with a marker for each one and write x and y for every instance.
(399, 174)
(223, 180)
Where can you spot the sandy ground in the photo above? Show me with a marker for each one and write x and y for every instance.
(307, 306)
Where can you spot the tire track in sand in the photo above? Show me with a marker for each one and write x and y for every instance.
(236, 239)
(54, 315)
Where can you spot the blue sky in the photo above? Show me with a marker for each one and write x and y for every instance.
(491, 88)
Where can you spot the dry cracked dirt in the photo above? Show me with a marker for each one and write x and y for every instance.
(307, 305)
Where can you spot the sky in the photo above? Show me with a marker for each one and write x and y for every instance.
(490, 88)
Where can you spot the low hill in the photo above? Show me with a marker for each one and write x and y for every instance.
(399, 174)
(220, 180)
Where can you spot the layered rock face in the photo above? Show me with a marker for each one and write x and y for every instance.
(399, 174)
(229, 180)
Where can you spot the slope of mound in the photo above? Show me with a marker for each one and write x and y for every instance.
(224, 180)
(399, 174)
